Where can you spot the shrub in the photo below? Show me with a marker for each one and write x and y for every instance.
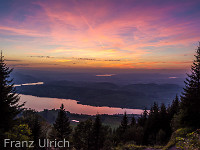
(181, 133)
(191, 141)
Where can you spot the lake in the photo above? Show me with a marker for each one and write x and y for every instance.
(41, 103)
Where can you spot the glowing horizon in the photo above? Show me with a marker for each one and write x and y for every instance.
(99, 33)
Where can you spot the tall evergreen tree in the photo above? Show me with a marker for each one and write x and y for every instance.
(190, 99)
(152, 125)
(174, 108)
(36, 132)
(121, 130)
(163, 118)
(62, 124)
(133, 121)
(124, 123)
(141, 123)
(143, 118)
(97, 130)
(9, 100)
(82, 136)
(165, 128)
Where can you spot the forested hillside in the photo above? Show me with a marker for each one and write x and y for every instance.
(106, 94)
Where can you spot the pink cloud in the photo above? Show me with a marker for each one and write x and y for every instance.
(107, 29)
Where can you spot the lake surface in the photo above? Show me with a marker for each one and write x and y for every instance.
(41, 103)
(37, 83)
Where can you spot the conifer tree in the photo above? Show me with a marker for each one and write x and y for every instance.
(97, 130)
(143, 118)
(62, 124)
(121, 130)
(174, 108)
(133, 121)
(36, 131)
(190, 99)
(153, 124)
(9, 100)
(164, 123)
(141, 130)
(124, 123)
(82, 136)
(163, 117)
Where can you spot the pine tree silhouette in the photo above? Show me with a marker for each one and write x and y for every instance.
(9, 100)
(97, 131)
(62, 124)
(190, 99)
(174, 108)
(133, 121)
(124, 123)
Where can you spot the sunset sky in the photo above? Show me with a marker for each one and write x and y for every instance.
(146, 34)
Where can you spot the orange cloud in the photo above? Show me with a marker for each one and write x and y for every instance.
(140, 35)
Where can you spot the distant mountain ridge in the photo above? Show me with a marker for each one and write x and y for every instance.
(106, 93)
(24, 76)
